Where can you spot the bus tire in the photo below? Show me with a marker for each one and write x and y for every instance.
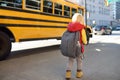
(5, 45)
(88, 36)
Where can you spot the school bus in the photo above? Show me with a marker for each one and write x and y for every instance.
(23, 20)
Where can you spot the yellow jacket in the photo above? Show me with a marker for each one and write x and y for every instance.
(84, 37)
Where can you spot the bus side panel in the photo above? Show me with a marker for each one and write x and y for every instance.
(29, 25)
(36, 33)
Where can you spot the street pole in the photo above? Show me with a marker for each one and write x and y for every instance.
(87, 33)
(85, 13)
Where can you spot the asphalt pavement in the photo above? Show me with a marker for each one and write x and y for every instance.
(101, 62)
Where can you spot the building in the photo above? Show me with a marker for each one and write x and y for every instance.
(115, 12)
(118, 11)
(97, 12)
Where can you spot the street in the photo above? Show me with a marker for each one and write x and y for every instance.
(101, 62)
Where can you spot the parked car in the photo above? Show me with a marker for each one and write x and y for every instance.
(102, 29)
(117, 28)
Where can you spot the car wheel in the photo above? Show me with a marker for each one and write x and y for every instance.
(88, 37)
(110, 33)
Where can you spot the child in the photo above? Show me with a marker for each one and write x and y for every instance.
(77, 24)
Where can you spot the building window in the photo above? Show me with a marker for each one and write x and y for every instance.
(33, 4)
(58, 9)
(100, 11)
(47, 6)
(93, 0)
(66, 11)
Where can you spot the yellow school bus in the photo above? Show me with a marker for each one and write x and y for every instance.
(23, 20)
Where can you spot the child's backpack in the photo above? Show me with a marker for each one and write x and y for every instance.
(70, 45)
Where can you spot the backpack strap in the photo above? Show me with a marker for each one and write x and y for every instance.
(82, 46)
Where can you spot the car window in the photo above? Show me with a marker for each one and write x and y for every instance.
(105, 26)
(118, 27)
(97, 26)
(109, 27)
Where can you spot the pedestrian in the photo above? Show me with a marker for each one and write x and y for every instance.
(77, 24)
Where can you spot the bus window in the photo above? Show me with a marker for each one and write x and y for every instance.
(33, 4)
(3, 3)
(47, 6)
(58, 9)
(11, 3)
(74, 11)
(80, 11)
(18, 3)
(66, 11)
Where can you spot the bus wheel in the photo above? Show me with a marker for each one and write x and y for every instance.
(88, 37)
(5, 45)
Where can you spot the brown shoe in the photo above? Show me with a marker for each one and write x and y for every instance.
(68, 79)
(68, 75)
(79, 74)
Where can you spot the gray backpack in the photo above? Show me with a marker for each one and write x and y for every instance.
(70, 45)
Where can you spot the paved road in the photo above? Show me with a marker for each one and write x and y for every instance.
(102, 62)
